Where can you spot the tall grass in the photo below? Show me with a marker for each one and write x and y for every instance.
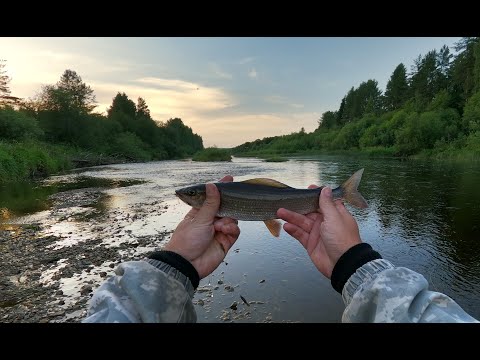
(28, 160)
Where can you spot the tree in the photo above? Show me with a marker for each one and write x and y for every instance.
(328, 120)
(142, 108)
(4, 80)
(5, 97)
(396, 91)
(69, 94)
(476, 67)
(461, 73)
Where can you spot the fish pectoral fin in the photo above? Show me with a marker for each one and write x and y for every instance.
(274, 226)
(265, 181)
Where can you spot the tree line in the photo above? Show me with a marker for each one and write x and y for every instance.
(64, 114)
(434, 110)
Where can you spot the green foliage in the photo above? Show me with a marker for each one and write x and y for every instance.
(30, 159)
(212, 154)
(396, 92)
(62, 114)
(420, 114)
(129, 145)
(471, 114)
(16, 125)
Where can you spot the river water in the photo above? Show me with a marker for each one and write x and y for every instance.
(422, 215)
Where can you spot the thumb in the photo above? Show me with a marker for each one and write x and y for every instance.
(327, 206)
(209, 209)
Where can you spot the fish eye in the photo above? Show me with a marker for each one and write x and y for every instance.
(191, 192)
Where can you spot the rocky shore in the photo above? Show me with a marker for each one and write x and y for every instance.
(46, 277)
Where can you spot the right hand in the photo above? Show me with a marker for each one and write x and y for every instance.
(325, 234)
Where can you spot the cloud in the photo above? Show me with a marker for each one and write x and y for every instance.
(232, 130)
(277, 99)
(167, 98)
(245, 60)
(297, 106)
(253, 73)
(218, 72)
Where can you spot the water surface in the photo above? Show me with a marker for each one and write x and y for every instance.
(422, 215)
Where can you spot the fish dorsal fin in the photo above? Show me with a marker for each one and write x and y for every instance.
(274, 226)
(265, 181)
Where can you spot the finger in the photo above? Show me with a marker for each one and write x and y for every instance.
(231, 230)
(297, 233)
(327, 206)
(227, 178)
(206, 214)
(315, 216)
(226, 242)
(313, 186)
(222, 222)
(340, 206)
(191, 214)
(219, 224)
(295, 218)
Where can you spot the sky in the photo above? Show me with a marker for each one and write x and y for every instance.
(228, 90)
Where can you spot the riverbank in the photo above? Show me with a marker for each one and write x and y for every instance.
(49, 277)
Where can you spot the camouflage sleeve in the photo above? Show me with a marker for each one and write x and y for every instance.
(143, 291)
(380, 292)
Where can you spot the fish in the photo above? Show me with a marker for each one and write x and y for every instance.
(259, 199)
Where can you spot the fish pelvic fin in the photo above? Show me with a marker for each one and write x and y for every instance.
(350, 192)
(274, 226)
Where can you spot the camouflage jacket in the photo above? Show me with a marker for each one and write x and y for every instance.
(153, 291)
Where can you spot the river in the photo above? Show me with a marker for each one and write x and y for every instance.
(422, 215)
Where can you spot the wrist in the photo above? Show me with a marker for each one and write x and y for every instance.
(179, 262)
(352, 259)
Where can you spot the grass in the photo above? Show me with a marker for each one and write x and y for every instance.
(29, 160)
(212, 154)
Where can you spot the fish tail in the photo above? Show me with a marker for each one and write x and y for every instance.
(349, 190)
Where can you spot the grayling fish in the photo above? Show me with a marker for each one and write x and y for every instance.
(259, 199)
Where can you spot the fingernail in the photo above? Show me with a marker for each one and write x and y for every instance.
(209, 189)
(327, 191)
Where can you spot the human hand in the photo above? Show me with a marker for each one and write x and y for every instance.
(203, 238)
(325, 234)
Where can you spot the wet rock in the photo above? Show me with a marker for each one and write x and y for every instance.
(85, 289)
(219, 282)
(229, 288)
(59, 292)
(234, 306)
(103, 274)
(112, 265)
(262, 281)
(215, 287)
(61, 302)
(200, 302)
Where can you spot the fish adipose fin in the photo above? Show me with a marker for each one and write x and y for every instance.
(274, 226)
(350, 192)
(265, 181)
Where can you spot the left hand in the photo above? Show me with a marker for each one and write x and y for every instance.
(203, 238)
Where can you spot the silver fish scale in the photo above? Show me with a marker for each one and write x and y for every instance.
(249, 209)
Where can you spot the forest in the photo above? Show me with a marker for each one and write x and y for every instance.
(59, 129)
(431, 111)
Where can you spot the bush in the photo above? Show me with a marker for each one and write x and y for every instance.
(15, 125)
(212, 154)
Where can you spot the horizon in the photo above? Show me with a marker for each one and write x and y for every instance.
(228, 90)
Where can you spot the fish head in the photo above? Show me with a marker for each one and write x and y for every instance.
(192, 195)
